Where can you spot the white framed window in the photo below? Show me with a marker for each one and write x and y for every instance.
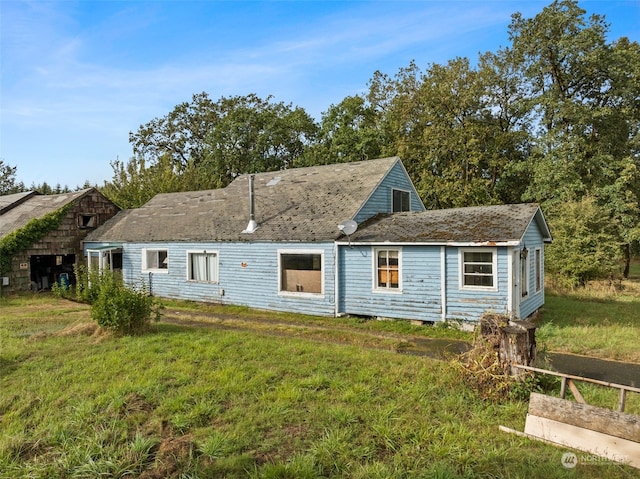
(524, 273)
(400, 201)
(387, 269)
(155, 261)
(478, 268)
(202, 266)
(300, 272)
(538, 269)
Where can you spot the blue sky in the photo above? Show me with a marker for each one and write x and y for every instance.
(77, 76)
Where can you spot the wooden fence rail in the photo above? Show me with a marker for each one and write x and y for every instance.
(568, 380)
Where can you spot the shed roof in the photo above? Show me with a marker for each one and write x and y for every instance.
(18, 209)
(477, 224)
(298, 204)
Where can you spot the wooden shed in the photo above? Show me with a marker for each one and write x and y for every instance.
(61, 222)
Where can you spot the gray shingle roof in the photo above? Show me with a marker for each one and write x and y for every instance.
(478, 224)
(19, 209)
(299, 204)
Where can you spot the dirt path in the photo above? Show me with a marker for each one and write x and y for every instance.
(612, 371)
(404, 343)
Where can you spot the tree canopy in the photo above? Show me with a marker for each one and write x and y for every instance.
(553, 118)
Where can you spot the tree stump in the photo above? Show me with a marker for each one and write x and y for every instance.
(517, 346)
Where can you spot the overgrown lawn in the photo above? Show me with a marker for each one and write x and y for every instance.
(597, 321)
(200, 402)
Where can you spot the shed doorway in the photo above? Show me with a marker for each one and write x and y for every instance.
(51, 268)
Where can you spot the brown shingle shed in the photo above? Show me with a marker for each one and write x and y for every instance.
(39, 265)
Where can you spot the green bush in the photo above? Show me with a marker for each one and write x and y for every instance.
(122, 309)
(88, 283)
(585, 245)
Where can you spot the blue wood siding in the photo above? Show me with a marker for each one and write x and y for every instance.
(248, 275)
(532, 239)
(381, 199)
(470, 304)
(420, 297)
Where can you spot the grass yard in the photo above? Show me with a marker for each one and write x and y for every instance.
(199, 402)
(598, 321)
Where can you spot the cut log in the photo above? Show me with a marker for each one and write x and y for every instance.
(606, 421)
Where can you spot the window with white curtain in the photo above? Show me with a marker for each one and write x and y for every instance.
(202, 266)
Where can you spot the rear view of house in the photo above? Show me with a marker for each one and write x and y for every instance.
(442, 265)
(278, 241)
(58, 223)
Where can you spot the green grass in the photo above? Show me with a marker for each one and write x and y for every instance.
(597, 321)
(190, 402)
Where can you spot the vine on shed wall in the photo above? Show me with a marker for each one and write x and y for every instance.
(23, 238)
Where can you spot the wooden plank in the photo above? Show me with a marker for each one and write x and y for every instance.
(622, 400)
(578, 378)
(575, 392)
(606, 421)
(592, 442)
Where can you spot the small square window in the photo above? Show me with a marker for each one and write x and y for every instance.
(203, 266)
(401, 201)
(87, 221)
(387, 275)
(478, 268)
(155, 260)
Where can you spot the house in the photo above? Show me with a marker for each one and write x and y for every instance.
(51, 255)
(451, 264)
(272, 241)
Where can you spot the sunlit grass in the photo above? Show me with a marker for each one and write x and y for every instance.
(598, 321)
(209, 402)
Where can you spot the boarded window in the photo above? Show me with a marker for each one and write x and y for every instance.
(301, 272)
(155, 259)
(401, 201)
(203, 267)
(477, 267)
(388, 269)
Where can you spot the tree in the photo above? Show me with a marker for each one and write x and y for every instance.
(584, 245)
(348, 132)
(221, 139)
(254, 135)
(8, 183)
(452, 130)
(584, 94)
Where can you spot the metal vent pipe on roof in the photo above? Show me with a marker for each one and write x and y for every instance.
(252, 226)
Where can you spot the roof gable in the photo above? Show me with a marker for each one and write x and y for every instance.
(19, 210)
(8, 202)
(479, 224)
(298, 204)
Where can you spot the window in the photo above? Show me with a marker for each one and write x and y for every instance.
(401, 201)
(155, 260)
(387, 269)
(202, 266)
(538, 269)
(87, 221)
(524, 273)
(301, 272)
(478, 268)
